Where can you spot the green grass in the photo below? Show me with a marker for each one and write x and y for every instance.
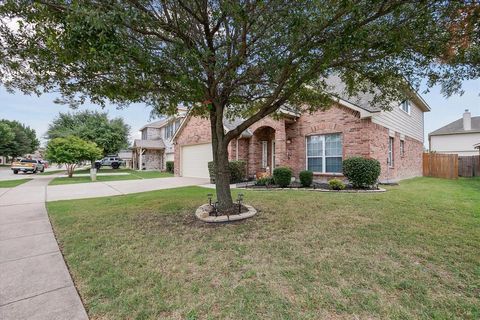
(410, 253)
(12, 183)
(132, 175)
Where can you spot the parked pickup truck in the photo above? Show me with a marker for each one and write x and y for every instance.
(27, 165)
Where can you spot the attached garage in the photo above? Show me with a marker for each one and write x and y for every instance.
(194, 160)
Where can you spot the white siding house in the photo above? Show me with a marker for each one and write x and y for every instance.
(457, 137)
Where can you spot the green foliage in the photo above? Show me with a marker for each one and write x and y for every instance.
(18, 140)
(265, 181)
(361, 172)
(237, 171)
(70, 151)
(109, 134)
(170, 166)
(336, 184)
(306, 178)
(282, 176)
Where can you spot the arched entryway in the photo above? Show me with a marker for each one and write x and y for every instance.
(263, 146)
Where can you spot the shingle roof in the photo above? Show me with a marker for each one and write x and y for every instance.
(149, 144)
(456, 127)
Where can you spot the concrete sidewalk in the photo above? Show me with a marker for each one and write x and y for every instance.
(34, 280)
(116, 188)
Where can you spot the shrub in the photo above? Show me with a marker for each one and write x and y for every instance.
(169, 166)
(336, 184)
(306, 178)
(282, 176)
(361, 172)
(237, 171)
(265, 181)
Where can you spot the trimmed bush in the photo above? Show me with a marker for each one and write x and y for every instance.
(306, 178)
(237, 171)
(265, 181)
(169, 166)
(336, 184)
(361, 172)
(282, 176)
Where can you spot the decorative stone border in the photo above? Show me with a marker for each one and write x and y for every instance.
(379, 190)
(202, 214)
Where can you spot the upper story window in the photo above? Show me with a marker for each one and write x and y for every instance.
(324, 153)
(405, 106)
(169, 130)
(144, 134)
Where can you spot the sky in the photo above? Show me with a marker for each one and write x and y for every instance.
(38, 112)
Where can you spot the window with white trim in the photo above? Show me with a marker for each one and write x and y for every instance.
(324, 153)
(390, 152)
(405, 106)
(169, 130)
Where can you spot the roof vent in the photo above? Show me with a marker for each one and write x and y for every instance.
(467, 120)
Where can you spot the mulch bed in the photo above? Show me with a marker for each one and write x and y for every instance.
(315, 185)
(231, 212)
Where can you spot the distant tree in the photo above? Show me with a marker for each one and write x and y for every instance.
(70, 151)
(229, 59)
(109, 134)
(24, 139)
(6, 135)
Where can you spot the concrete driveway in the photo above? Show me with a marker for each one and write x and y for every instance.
(116, 188)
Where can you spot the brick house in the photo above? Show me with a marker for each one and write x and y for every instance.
(317, 142)
(155, 147)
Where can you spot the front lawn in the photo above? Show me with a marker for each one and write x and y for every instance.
(12, 183)
(410, 253)
(132, 175)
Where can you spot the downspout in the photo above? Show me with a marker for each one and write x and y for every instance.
(236, 150)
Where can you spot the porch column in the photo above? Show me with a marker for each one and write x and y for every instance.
(281, 146)
(140, 165)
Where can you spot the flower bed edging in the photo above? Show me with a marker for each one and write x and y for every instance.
(379, 190)
(202, 214)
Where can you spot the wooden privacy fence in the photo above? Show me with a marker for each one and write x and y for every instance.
(440, 165)
(469, 166)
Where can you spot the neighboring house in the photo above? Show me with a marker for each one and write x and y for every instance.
(318, 141)
(3, 160)
(126, 155)
(458, 137)
(155, 146)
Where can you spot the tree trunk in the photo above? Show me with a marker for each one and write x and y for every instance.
(70, 170)
(220, 159)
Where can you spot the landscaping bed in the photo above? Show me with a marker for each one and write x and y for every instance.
(316, 186)
(410, 253)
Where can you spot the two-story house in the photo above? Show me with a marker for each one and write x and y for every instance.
(155, 147)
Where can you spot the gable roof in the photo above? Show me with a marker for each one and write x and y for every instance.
(149, 144)
(364, 100)
(456, 127)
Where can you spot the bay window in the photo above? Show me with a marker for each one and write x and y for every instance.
(324, 153)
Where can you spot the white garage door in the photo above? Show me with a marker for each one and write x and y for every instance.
(195, 160)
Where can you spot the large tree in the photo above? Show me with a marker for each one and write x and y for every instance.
(6, 135)
(109, 134)
(23, 139)
(233, 58)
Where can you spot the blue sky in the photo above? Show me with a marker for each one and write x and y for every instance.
(38, 112)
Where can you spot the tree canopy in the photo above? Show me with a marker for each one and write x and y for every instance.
(71, 151)
(109, 134)
(16, 139)
(229, 59)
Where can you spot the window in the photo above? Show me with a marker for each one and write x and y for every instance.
(169, 130)
(144, 134)
(390, 152)
(405, 106)
(324, 153)
(264, 154)
(402, 148)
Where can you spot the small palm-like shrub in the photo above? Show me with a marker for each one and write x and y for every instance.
(169, 166)
(265, 181)
(282, 176)
(306, 178)
(361, 172)
(336, 184)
